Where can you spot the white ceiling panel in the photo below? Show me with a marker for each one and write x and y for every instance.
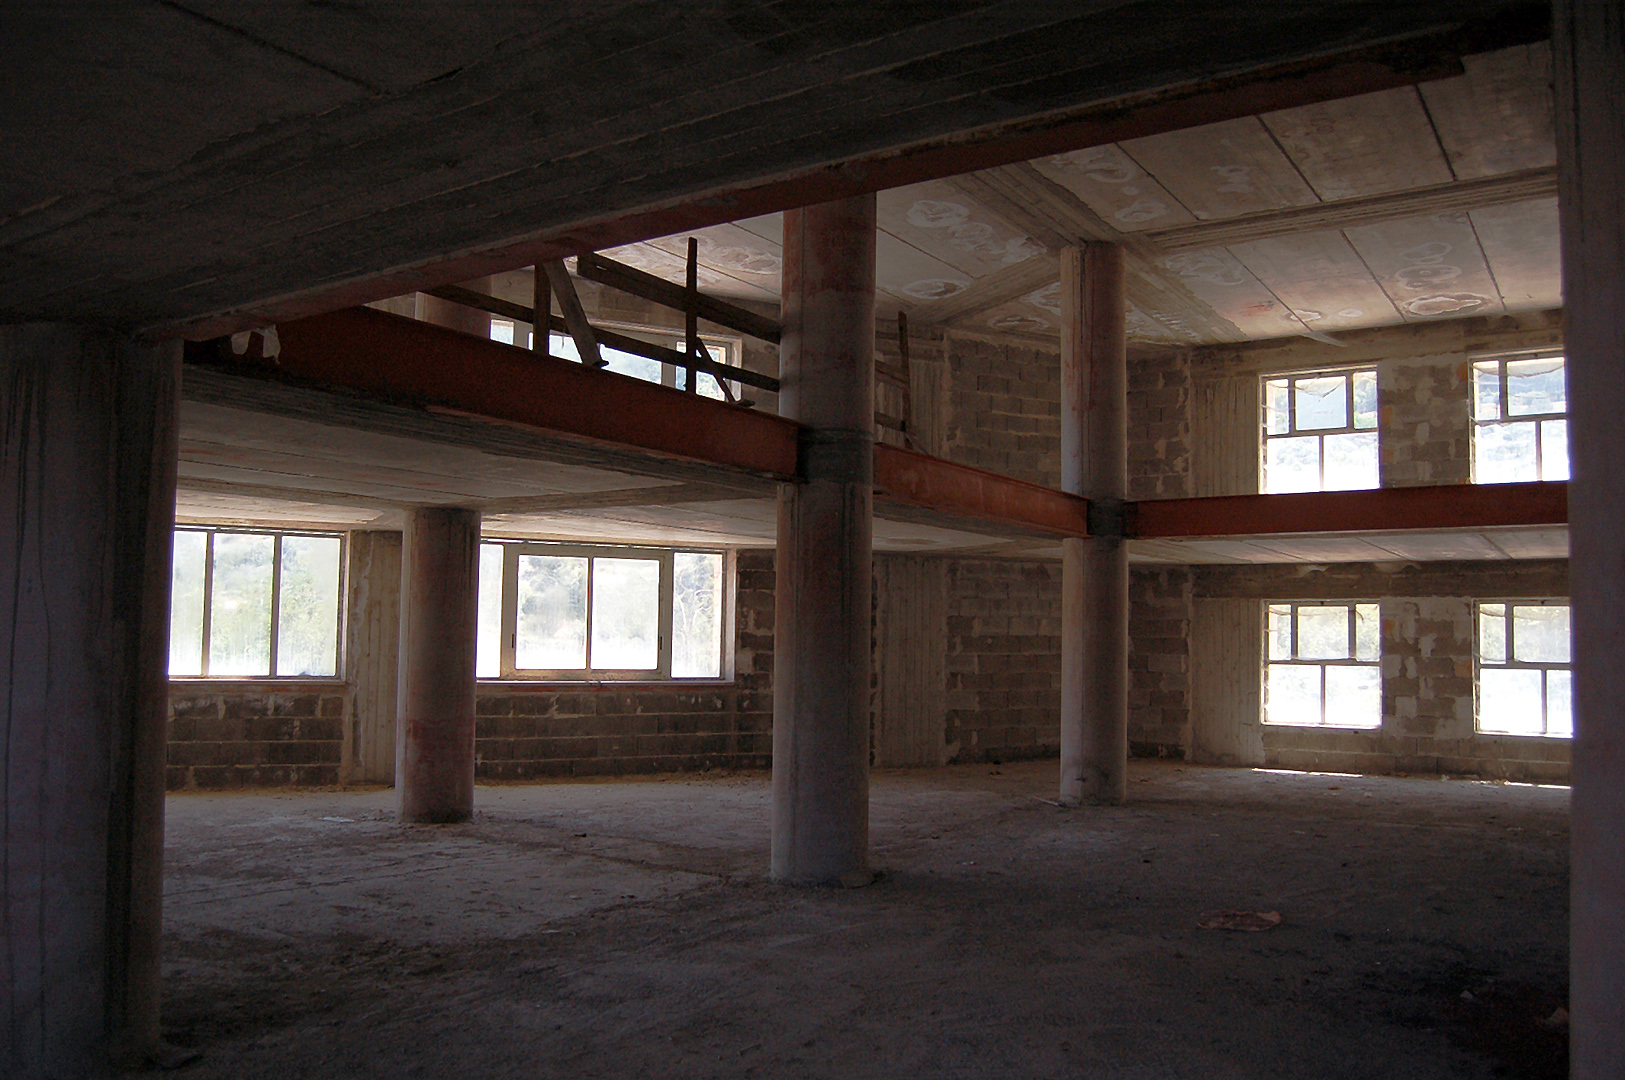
(1365, 145)
(1497, 118)
(1222, 170)
(1111, 184)
(1431, 267)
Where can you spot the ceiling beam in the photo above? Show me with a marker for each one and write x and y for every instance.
(1453, 197)
(661, 495)
(1309, 81)
(1454, 506)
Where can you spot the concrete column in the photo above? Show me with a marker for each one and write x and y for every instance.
(1588, 49)
(824, 559)
(434, 732)
(87, 493)
(1094, 571)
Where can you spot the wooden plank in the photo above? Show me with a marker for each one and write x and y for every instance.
(1497, 117)
(1366, 145)
(575, 318)
(1222, 170)
(657, 290)
(1462, 506)
(1321, 278)
(734, 262)
(1431, 267)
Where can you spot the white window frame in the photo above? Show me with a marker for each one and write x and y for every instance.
(1294, 432)
(729, 349)
(1320, 664)
(1511, 664)
(1537, 420)
(211, 531)
(508, 649)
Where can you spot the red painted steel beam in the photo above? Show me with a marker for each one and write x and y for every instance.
(907, 476)
(1304, 82)
(404, 361)
(1456, 506)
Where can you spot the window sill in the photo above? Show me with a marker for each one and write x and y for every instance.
(601, 684)
(260, 681)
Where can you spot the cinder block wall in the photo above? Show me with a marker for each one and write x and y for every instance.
(243, 734)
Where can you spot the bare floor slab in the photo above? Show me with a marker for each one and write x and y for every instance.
(620, 929)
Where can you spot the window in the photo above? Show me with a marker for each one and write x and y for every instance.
(625, 363)
(1521, 428)
(570, 611)
(1322, 668)
(1523, 668)
(1320, 432)
(252, 604)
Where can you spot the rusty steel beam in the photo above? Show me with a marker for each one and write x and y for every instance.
(1455, 506)
(403, 361)
(1284, 86)
(916, 479)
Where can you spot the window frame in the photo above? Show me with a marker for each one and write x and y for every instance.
(275, 610)
(1266, 661)
(1265, 436)
(507, 667)
(1537, 420)
(732, 349)
(1512, 664)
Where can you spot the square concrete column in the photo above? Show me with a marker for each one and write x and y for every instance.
(825, 548)
(1094, 571)
(87, 490)
(434, 730)
(1588, 54)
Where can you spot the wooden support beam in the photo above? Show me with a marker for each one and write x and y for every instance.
(575, 318)
(629, 279)
(1456, 506)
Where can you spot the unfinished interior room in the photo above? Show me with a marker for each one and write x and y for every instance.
(756, 539)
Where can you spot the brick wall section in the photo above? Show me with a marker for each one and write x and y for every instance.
(1004, 409)
(1427, 425)
(1427, 667)
(229, 735)
(1159, 696)
(528, 731)
(1159, 424)
(1004, 660)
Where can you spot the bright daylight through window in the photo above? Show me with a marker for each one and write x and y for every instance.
(1521, 427)
(570, 611)
(253, 604)
(1523, 669)
(625, 363)
(1322, 667)
(1320, 432)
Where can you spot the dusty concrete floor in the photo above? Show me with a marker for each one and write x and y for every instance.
(626, 929)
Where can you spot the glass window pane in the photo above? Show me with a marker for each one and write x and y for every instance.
(488, 635)
(1554, 450)
(307, 640)
(1280, 631)
(707, 382)
(1292, 465)
(1487, 390)
(240, 605)
(625, 614)
(1540, 635)
(552, 623)
(186, 604)
(1492, 634)
(1504, 453)
(1292, 694)
(1277, 413)
(1559, 704)
(1509, 701)
(563, 345)
(1367, 632)
(1353, 697)
(1351, 461)
(1365, 399)
(696, 622)
(502, 330)
(1321, 403)
(1536, 386)
(1323, 632)
(625, 363)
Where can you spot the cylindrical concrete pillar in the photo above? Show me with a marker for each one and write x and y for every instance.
(434, 732)
(1094, 571)
(87, 490)
(1588, 43)
(824, 561)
